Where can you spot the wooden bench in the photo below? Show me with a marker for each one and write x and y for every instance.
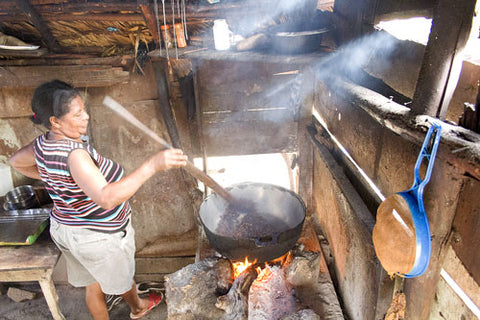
(33, 263)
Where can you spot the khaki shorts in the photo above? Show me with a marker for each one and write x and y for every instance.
(92, 256)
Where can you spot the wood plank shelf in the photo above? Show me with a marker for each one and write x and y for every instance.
(205, 53)
(33, 263)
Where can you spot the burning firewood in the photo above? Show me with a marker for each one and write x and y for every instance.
(271, 296)
(193, 290)
(235, 302)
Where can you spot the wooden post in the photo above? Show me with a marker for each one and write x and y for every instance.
(442, 61)
(161, 68)
(198, 113)
(305, 148)
(48, 289)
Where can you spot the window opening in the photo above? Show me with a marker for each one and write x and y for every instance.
(272, 168)
(418, 29)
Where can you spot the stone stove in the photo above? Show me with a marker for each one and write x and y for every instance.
(298, 286)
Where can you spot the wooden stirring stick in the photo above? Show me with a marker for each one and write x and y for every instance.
(190, 167)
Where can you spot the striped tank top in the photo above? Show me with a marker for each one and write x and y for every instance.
(71, 205)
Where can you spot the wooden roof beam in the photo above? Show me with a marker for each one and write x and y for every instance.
(90, 7)
(39, 24)
(150, 20)
(17, 17)
(442, 61)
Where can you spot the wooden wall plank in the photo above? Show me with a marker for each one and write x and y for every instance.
(77, 75)
(266, 115)
(247, 107)
(337, 208)
(466, 224)
(160, 265)
(15, 103)
(388, 156)
(253, 137)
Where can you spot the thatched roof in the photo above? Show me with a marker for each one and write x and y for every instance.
(96, 27)
(115, 27)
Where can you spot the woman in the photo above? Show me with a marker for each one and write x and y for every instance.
(90, 219)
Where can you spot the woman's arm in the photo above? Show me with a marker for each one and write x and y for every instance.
(108, 195)
(24, 162)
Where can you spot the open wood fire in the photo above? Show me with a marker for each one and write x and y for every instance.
(217, 288)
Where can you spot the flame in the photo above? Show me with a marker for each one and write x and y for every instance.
(239, 267)
(264, 274)
(287, 257)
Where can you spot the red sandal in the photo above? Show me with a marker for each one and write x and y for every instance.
(154, 299)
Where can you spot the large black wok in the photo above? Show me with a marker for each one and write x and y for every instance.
(265, 223)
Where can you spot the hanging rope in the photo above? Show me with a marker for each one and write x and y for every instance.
(184, 21)
(174, 31)
(165, 28)
(158, 27)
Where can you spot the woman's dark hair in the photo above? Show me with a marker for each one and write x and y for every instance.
(52, 99)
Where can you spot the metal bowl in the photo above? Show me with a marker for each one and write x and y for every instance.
(267, 227)
(294, 42)
(22, 197)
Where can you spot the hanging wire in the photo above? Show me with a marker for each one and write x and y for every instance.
(184, 21)
(174, 31)
(179, 12)
(158, 27)
(165, 29)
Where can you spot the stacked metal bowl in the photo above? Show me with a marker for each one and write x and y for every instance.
(22, 197)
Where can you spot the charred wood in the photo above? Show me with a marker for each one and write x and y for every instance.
(271, 296)
(235, 302)
(193, 290)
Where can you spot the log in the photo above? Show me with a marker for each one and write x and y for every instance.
(193, 290)
(235, 302)
(271, 297)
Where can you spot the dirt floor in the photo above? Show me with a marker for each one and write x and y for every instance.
(71, 301)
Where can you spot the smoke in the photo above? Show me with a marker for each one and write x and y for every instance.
(351, 59)
(269, 13)
(278, 101)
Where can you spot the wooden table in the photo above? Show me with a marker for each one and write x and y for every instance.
(33, 263)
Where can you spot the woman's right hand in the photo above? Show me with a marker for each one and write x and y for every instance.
(169, 159)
